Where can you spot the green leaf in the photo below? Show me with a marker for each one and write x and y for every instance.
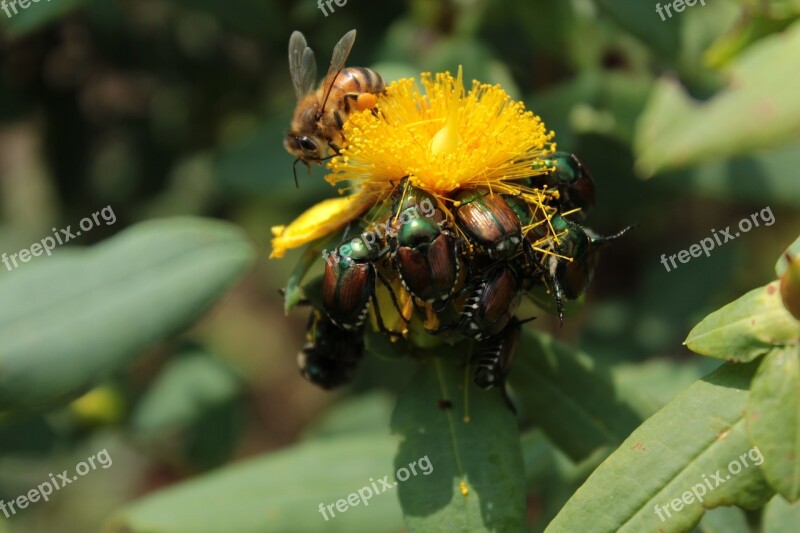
(752, 27)
(724, 520)
(552, 477)
(537, 454)
(69, 320)
(278, 492)
(774, 8)
(758, 109)
(607, 103)
(655, 382)
(185, 389)
(763, 178)
(746, 328)
(365, 413)
(641, 19)
(773, 415)
(692, 439)
(570, 399)
(482, 455)
(793, 251)
(781, 516)
(294, 292)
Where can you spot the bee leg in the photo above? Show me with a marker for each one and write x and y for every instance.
(366, 101)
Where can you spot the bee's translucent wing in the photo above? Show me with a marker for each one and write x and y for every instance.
(301, 65)
(340, 53)
(309, 70)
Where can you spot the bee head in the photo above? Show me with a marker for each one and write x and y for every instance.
(304, 147)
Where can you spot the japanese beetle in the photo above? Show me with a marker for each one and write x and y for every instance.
(348, 284)
(494, 356)
(570, 279)
(425, 254)
(520, 208)
(491, 302)
(572, 180)
(489, 222)
(330, 357)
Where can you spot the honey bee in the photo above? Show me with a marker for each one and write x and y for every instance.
(320, 114)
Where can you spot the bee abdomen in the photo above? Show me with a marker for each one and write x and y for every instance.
(359, 80)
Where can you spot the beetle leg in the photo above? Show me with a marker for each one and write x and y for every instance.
(379, 319)
(442, 329)
(507, 398)
(552, 282)
(439, 305)
(559, 293)
(419, 309)
(392, 295)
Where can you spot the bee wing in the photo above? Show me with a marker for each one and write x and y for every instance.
(340, 53)
(301, 65)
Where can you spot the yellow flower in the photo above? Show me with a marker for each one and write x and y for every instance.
(443, 138)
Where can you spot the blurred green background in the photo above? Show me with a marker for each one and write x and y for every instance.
(161, 108)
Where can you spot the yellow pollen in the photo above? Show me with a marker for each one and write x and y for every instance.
(443, 138)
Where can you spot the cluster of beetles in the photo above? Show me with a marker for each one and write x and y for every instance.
(465, 267)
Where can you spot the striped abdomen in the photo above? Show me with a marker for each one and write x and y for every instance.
(359, 80)
(355, 80)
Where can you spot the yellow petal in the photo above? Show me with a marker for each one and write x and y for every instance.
(318, 221)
